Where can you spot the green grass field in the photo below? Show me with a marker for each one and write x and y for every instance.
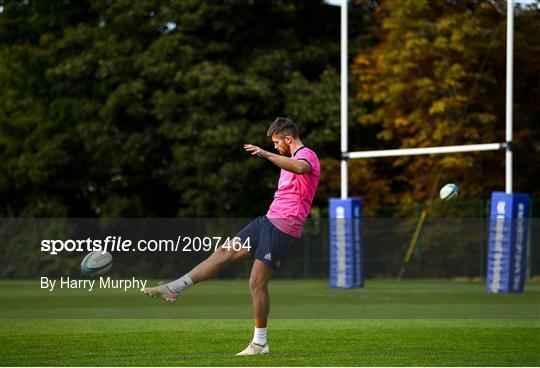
(433, 323)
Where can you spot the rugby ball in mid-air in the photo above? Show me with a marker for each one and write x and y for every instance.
(96, 263)
(448, 192)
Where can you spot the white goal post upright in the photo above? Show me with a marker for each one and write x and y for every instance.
(344, 98)
(509, 87)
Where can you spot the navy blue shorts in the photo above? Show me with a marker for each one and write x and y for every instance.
(268, 244)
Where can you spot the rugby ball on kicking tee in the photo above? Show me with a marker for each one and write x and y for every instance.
(96, 263)
(448, 192)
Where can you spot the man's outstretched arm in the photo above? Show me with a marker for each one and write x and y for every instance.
(285, 163)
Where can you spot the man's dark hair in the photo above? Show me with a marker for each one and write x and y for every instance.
(282, 127)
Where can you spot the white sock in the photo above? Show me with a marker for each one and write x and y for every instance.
(259, 336)
(182, 283)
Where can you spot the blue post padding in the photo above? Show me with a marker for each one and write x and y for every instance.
(507, 242)
(346, 243)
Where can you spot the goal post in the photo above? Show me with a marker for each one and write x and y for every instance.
(507, 247)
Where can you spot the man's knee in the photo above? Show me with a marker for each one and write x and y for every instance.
(258, 284)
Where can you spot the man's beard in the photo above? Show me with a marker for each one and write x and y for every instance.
(286, 153)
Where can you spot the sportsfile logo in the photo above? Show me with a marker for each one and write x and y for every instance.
(119, 244)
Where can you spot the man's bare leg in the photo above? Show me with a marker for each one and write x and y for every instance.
(258, 284)
(203, 271)
(217, 260)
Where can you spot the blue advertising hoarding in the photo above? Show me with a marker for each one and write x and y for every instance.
(507, 242)
(346, 243)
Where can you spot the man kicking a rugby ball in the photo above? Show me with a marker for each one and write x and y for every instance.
(272, 236)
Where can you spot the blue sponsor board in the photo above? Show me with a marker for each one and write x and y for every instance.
(507, 243)
(346, 245)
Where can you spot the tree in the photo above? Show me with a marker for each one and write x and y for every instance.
(117, 110)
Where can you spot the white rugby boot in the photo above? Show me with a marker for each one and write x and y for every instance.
(161, 291)
(254, 349)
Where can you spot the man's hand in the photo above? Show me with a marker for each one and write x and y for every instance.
(258, 151)
(285, 163)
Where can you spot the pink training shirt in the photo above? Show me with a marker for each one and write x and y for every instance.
(294, 196)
